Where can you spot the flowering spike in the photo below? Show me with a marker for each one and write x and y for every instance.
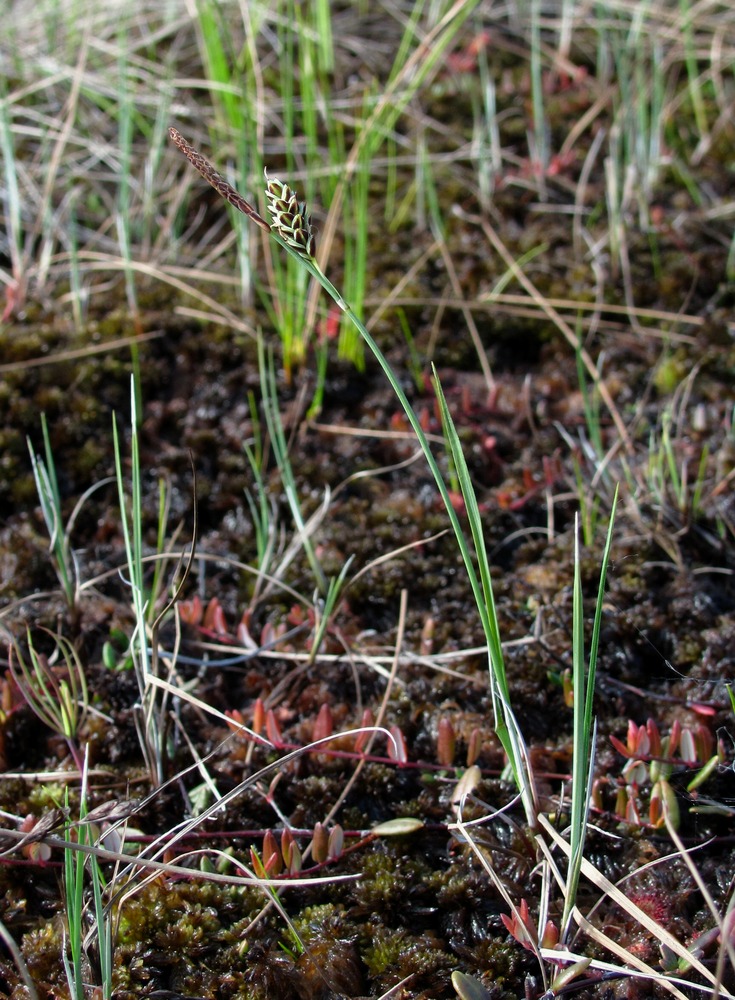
(291, 221)
(221, 186)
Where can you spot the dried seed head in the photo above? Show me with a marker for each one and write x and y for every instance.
(291, 221)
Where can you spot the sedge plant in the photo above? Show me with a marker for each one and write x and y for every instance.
(47, 487)
(292, 230)
(59, 530)
(584, 729)
(152, 707)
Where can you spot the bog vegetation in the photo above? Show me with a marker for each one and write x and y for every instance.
(367, 536)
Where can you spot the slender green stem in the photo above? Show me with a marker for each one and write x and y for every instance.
(280, 449)
(506, 726)
(152, 728)
(584, 727)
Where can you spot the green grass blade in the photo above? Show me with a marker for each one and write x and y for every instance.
(584, 727)
(280, 450)
(506, 726)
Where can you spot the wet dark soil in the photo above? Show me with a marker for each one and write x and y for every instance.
(413, 908)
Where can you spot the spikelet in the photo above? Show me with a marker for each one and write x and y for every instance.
(291, 221)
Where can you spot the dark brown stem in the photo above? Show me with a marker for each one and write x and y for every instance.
(220, 185)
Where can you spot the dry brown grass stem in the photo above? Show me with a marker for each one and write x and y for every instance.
(393, 298)
(724, 922)
(574, 306)
(109, 347)
(466, 310)
(363, 432)
(108, 262)
(642, 919)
